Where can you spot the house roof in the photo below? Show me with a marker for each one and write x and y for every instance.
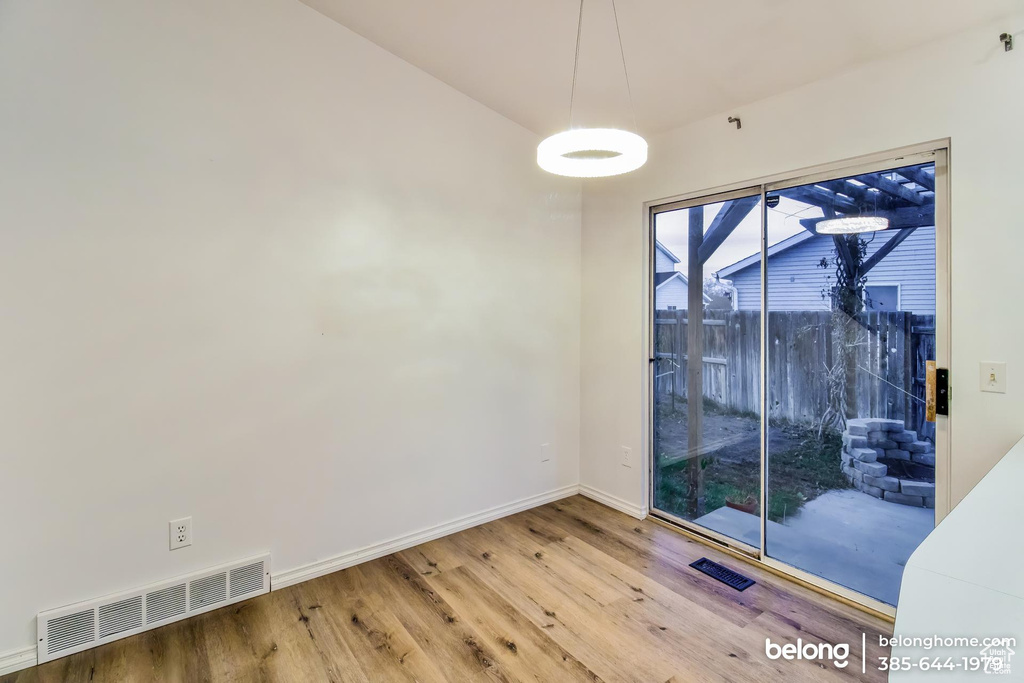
(755, 258)
(663, 278)
(663, 249)
(659, 278)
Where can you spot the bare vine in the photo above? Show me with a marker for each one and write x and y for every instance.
(844, 290)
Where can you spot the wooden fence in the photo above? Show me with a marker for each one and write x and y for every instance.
(890, 354)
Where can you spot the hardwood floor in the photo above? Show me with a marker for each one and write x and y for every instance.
(570, 591)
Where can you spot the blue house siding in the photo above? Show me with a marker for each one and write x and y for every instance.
(663, 263)
(674, 293)
(795, 282)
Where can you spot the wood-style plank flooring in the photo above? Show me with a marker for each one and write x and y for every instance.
(570, 591)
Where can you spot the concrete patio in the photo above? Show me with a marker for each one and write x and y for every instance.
(847, 537)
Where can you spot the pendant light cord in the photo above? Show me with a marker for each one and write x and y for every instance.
(625, 72)
(576, 63)
(622, 55)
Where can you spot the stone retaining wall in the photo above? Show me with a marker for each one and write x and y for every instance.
(866, 440)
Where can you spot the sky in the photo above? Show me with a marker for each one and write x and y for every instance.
(672, 227)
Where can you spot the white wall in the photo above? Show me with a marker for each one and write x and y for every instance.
(256, 270)
(965, 88)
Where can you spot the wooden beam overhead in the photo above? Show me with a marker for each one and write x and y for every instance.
(868, 200)
(819, 196)
(877, 181)
(871, 193)
(723, 225)
(885, 250)
(907, 217)
(921, 178)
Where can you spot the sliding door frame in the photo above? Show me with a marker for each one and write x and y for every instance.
(937, 151)
(756, 190)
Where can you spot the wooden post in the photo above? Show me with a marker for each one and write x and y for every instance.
(852, 331)
(695, 360)
(676, 358)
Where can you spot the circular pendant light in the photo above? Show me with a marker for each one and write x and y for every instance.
(851, 225)
(593, 152)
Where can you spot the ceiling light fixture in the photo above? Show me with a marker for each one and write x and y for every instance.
(593, 152)
(851, 225)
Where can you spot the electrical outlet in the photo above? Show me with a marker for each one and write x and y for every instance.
(627, 456)
(545, 452)
(181, 532)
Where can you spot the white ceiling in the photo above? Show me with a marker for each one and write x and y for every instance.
(687, 59)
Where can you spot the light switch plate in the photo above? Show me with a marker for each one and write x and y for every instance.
(993, 377)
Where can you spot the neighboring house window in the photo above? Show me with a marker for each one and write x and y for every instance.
(671, 308)
(882, 298)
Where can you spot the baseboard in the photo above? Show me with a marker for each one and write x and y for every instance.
(147, 607)
(25, 658)
(638, 511)
(16, 660)
(338, 562)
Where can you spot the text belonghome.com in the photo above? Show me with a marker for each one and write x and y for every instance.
(989, 655)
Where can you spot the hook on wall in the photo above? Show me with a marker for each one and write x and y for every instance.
(1007, 39)
(736, 120)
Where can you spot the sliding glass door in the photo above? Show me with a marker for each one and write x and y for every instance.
(804, 436)
(707, 364)
(851, 327)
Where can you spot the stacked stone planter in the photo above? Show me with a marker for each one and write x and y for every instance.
(867, 440)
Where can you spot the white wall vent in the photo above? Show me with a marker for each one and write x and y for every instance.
(70, 631)
(84, 625)
(246, 579)
(120, 616)
(207, 591)
(165, 603)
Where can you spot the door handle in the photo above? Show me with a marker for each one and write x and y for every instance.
(942, 387)
(936, 391)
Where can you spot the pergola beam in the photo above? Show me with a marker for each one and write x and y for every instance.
(921, 178)
(885, 250)
(819, 196)
(907, 217)
(723, 225)
(863, 195)
(891, 187)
